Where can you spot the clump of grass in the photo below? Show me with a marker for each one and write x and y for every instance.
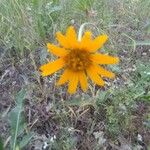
(25, 24)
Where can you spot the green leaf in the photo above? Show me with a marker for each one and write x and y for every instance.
(144, 43)
(146, 97)
(140, 43)
(26, 139)
(102, 97)
(20, 97)
(1, 144)
(16, 118)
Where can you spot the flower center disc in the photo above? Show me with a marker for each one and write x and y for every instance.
(78, 60)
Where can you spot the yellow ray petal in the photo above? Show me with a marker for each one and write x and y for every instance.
(91, 72)
(62, 40)
(104, 59)
(71, 37)
(87, 36)
(98, 42)
(103, 72)
(56, 50)
(86, 41)
(83, 81)
(64, 77)
(52, 67)
(73, 82)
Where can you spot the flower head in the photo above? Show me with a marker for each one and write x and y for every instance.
(79, 59)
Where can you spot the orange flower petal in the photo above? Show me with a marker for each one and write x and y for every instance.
(94, 76)
(71, 37)
(56, 50)
(104, 59)
(83, 81)
(103, 72)
(52, 67)
(73, 82)
(62, 40)
(98, 42)
(64, 77)
(86, 40)
(87, 36)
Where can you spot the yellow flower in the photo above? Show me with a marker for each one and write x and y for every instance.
(79, 60)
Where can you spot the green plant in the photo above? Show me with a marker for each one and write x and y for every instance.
(18, 125)
(1, 144)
